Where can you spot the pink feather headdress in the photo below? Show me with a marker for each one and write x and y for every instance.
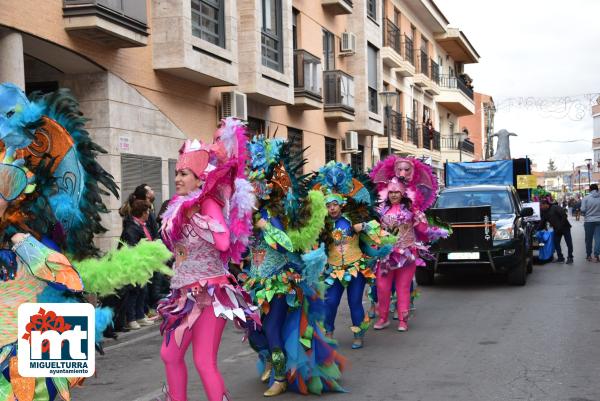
(193, 155)
(418, 179)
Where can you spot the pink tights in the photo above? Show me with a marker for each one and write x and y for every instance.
(402, 277)
(205, 337)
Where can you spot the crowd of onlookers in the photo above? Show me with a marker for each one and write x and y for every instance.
(135, 306)
(555, 215)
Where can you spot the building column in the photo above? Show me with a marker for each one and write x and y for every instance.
(12, 66)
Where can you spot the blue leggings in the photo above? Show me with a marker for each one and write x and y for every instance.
(333, 297)
(274, 320)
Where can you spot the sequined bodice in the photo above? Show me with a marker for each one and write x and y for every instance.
(400, 221)
(195, 259)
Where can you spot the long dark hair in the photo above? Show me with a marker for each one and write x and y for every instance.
(405, 200)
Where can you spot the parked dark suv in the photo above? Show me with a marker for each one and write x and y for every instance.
(489, 232)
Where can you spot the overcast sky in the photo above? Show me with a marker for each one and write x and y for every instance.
(536, 48)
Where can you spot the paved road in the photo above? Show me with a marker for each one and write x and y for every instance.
(473, 338)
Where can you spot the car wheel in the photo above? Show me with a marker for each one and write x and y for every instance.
(425, 276)
(518, 275)
(530, 262)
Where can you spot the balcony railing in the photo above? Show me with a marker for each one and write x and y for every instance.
(453, 142)
(424, 63)
(437, 141)
(468, 146)
(435, 72)
(338, 90)
(307, 73)
(426, 136)
(391, 36)
(131, 14)
(408, 52)
(396, 124)
(452, 82)
(412, 135)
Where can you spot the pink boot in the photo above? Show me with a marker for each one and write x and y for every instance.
(381, 324)
(403, 321)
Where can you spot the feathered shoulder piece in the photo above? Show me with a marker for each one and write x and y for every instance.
(225, 181)
(231, 140)
(276, 174)
(352, 189)
(47, 131)
(420, 182)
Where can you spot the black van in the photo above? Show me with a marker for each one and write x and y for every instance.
(489, 232)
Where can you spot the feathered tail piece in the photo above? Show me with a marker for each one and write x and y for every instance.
(240, 219)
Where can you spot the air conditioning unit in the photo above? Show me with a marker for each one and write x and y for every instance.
(348, 44)
(351, 142)
(233, 104)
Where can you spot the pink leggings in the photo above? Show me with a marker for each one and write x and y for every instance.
(402, 277)
(205, 337)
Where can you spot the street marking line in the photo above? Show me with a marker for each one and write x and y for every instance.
(132, 341)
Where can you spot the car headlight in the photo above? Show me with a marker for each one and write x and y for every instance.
(503, 233)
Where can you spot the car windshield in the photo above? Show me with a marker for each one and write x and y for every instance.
(498, 200)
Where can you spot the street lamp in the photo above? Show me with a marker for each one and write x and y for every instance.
(461, 137)
(388, 98)
(588, 162)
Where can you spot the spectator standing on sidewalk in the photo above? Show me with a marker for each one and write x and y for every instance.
(134, 230)
(590, 208)
(556, 216)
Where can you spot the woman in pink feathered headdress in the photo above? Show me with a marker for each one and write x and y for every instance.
(202, 227)
(406, 187)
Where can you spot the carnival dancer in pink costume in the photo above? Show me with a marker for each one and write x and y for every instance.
(406, 189)
(196, 227)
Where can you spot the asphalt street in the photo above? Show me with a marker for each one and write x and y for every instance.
(473, 338)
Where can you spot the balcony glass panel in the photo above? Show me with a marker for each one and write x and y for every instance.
(338, 89)
(307, 72)
(131, 13)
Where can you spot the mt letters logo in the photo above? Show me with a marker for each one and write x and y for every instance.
(56, 340)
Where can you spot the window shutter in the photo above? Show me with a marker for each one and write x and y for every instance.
(172, 166)
(136, 170)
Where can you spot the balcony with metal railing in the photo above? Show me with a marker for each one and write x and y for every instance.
(391, 53)
(406, 67)
(408, 50)
(424, 63)
(412, 135)
(437, 141)
(421, 78)
(433, 79)
(338, 91)
(453, 143)
(307, 80)
(396, 125)
(426, 137)
(435, 72)
(455, 95)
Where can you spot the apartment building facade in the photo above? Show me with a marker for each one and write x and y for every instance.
(150, 73)
(596, 140)
(480, 126)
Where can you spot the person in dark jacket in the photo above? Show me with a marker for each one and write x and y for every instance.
(135, 229)
(142, 192)
(556, 216)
